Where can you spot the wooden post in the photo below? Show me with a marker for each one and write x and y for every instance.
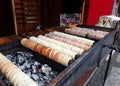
(14, 17)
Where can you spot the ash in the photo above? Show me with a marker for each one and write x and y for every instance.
(40, 73)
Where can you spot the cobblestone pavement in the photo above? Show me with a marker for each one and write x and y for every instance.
(113, 76)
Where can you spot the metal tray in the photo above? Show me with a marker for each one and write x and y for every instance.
(74, 74)
(88, 63)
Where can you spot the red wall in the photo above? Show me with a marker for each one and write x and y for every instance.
(98, 8)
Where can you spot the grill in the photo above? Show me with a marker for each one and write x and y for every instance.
(75, 72)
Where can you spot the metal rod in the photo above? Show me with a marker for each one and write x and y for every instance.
(112, 47)
(108, 65)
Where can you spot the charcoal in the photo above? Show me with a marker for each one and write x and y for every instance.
(28, 55)
(25, 63)
(28, 72)
(9, 57)
(3, 78)
(14, 60)
(21, 60)
(19, 53)
(41, 78)
(28, 65)
(36, 63)
(18, 65)
(8, 84)
(33, 68)
(35, 77)
(46, 69)
(41, 83)
(22, 67)
(40, 73)
(45, 77)
(53, 74)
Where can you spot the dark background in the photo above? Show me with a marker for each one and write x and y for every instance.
(5, 18)
(71, 6)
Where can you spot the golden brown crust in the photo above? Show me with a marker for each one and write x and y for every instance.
(46, 51)
(90, 33)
